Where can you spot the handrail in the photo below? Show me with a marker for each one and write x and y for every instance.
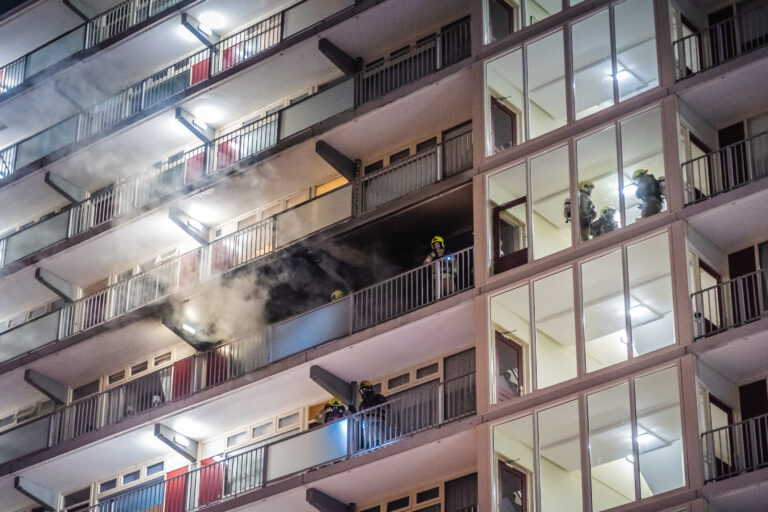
(721, 42)
(730, 304)
(736, 448)
(365, 431)
(729, 167)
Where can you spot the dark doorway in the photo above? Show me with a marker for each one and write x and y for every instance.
(753, 399)
(744, 287)
(722, 28)
(510, 236)
(733, 156)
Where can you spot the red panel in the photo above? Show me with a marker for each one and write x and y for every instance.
(189, 269)
(194, 169)
(2, 71)
(231, 56)
(200, 71)
(176, 490)
(226, 153)
(211, 481)
(220, 258)
(216, 368)
(182, 378)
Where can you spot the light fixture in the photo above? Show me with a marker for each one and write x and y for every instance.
(212, 20)
(194, 224)
(188, 328)
(200, 123)
(639, 311)
(630, 458)
(181, 440)
(205, 29)
(185, 34)
(622, 75)
(644, 437)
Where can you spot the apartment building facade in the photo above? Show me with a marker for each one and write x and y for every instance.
(216, 214)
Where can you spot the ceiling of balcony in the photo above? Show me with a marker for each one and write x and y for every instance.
(105, 353)
(741, 360)
(736, 224)
(27, 200)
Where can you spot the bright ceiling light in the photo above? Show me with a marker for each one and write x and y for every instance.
(194, 224)
(200, 123)
(181, 440)
(188, 328)
(622, 75)
(185, 34)
(630, 458)
(212, 20)
(205, 29)
(640, 312)
(207, 114)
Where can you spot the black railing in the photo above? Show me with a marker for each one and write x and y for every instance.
(735, 449)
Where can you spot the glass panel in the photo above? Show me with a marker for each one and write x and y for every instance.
(513, 447)
(598, 184)
(636, 68)
(504, 102)
(510, 316)
(502, 19)
(642, 150)
(537, 10)
(549, 186)
(560, 458)
(555, 325)
(509, 229)
(592, 70)
(131, 477)
(650, 294)
(611, 463)
(659, 432)
(605, 335)
(546, 84)
(155, 468)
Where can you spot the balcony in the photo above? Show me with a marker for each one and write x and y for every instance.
(105, 26)
(730, 304)
(723, 170)
(424, 408)
(721, 42)
(449, 47)
(735, 449)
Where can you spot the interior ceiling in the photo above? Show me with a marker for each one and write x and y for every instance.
(106, 353)
(718, 226)
(450, 331)
(387, 27)
(385, 479)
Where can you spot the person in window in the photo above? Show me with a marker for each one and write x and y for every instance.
(587, 210)
(605, 223)
(649, 191)
(373, 422)
(445, 272)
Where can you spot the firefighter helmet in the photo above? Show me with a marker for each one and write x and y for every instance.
(638, 173)
(437, 238)
(336, 295)
(586, 184)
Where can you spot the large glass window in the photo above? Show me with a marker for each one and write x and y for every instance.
(546, 84)
(512, 341)
(513, 447)
(605, 335)
(503, 17)
(636, 69)
(549, 185)
(598, 187)
(642, 155)
(592, 68)
(554, 320)
(505, 101)
(560, 458)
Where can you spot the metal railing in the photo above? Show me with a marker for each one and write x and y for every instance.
(11, 75)
(242, 246)
(736, 448)
(429, 55)
(413, 289)
(183, 378)
(163, 85)
(402, 178)
(730, 304)
(362, 432)
(721, 42)
(727, 168)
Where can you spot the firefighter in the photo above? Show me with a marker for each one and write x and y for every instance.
(337, 295)
(649, 191)
(587, 210)
(445, 272)
(605, 223)
(333, 410)
(373, 422)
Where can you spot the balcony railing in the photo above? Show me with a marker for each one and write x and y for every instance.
(373, 305)
(452, 156)
(105, 26)
(413, 411)
(185, 377)
(727, 168)
(730, 304)
(735, 449)
(448, 47)
(721, 42)
(178, 77)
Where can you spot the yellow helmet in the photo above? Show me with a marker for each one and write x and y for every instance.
(586, 184)
(638, 173)
(335, 402)
(605, 209)
(336, 295)
(366, 384)
(437, 238)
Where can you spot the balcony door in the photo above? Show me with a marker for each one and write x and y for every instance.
(509, 368)
(513, 487)
(504, 125)
(510, 235)
(710, 308)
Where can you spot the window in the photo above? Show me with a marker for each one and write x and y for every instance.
(510, 219)
(510, 316)
(636, 68)
(288, 421)
(546, 83)
(155, 468)
(116, 377)
(554, 322)
(509, 375)
(400, 380)
(505, 101)
(549, 185)
(108, 485)
(560, 457)
(236, 439)
(592, 70)
(131, 477)
(513, 447)
(502, 19)
(398, 504)
(426, 145)
(138, 368)
(261, 430)
(642, 148)
(426, 371)
(162, 359)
